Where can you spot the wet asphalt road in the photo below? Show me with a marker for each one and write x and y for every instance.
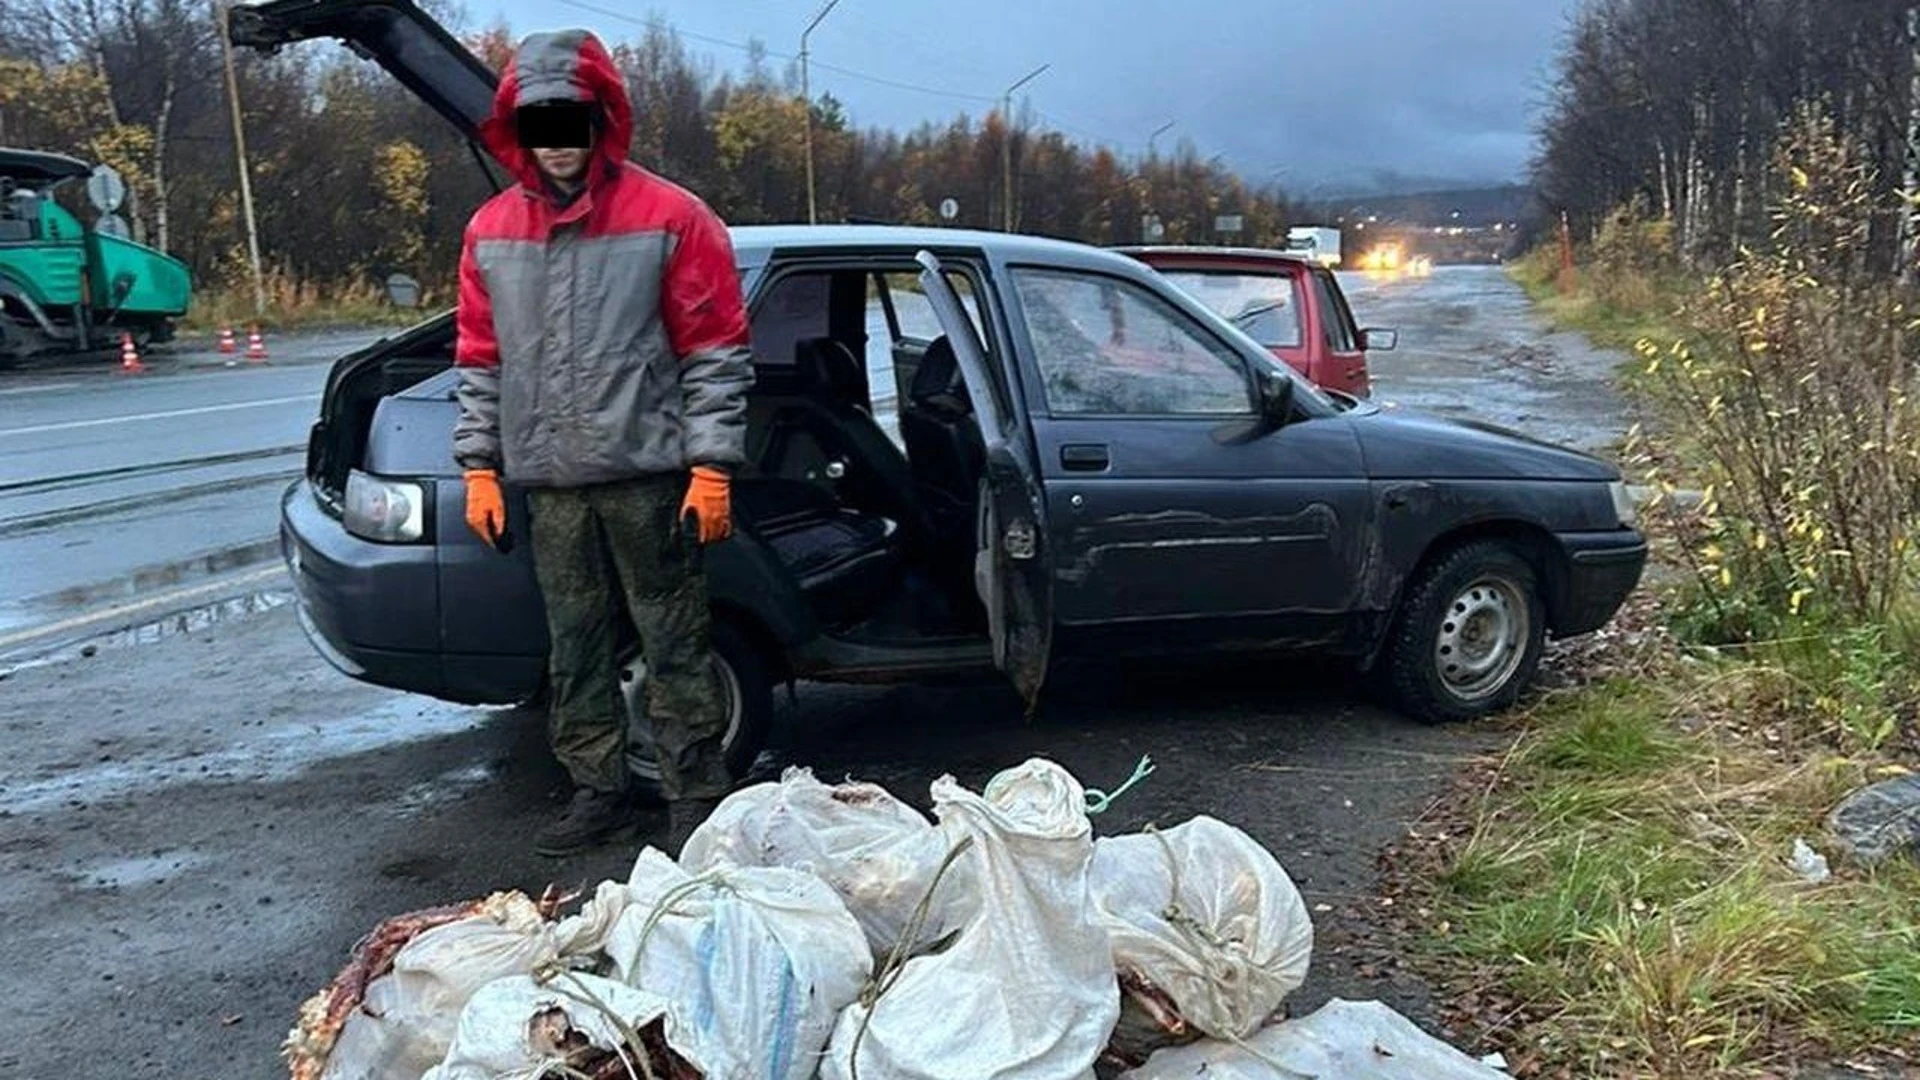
(114, 487)
(199, 818)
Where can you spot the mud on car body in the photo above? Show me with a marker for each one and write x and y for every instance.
(970, 452)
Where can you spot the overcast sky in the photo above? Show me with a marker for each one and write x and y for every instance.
(1324, 96)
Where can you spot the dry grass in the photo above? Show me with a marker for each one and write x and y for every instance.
(294, 303)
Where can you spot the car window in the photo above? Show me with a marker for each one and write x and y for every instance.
(795, 309)
(1336, 321)
(913, 317)
(1266, 306)
(1108, 347)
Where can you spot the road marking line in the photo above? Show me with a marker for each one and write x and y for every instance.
(37, 389)
(135, 418)
(136, 606)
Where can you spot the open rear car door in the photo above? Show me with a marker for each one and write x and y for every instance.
(397, 35)
(1011, 567)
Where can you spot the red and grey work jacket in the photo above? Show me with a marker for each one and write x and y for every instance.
(604, 337)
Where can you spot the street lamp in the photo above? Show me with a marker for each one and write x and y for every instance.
(1146, 182)
(1157, 132)
(806, 93)
(1006, 140)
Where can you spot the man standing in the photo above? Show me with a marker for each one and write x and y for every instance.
(602, 350)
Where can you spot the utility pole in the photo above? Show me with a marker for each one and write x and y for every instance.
(806, 91)
(1909, 246)
(240, 150)
(1006, 140)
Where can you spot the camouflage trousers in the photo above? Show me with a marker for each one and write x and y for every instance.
(613, 552)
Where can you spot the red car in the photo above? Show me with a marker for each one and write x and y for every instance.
(1288, 303)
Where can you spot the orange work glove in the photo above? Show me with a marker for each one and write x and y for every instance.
(708, 500)
(486, 507)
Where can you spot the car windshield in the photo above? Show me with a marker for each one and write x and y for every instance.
(1265, 306)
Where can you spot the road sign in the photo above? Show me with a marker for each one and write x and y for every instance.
(1229, 223)
(114, 225)
(1151, 228)
(404, 291)
(105, 190)
(949, 209)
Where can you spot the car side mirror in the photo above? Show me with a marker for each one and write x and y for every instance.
(1273, 409)
(1275, 396)
(1383, 340)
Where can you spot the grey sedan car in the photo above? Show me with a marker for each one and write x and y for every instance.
(969, 453)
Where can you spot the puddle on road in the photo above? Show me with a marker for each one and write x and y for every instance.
(256, 758)
(146, 579)
(190, 621)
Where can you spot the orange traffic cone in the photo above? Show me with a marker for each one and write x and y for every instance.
(129, 356)
(227, 344)
(256, 346)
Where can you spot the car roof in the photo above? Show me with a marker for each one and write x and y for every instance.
(37, 167)
(1191, 253)
(1008, 247)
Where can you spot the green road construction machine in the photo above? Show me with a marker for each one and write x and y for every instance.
(68, 288)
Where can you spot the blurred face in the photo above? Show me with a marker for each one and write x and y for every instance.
(560, 136)
(564, 165)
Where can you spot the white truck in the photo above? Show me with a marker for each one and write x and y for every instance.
(1315, 241)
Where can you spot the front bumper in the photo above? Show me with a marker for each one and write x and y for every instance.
(372, 611)
(1601, 570)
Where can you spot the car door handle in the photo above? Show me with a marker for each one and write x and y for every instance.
(1084, 457)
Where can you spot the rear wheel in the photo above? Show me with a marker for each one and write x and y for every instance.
(1469, 636)
(746, 694)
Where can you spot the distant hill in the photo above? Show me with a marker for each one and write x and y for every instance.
(1476, 207)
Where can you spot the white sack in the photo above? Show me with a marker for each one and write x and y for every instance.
(407, 1019)
(756, 963)
(1239, 939)
(495, 1038)
(1027, 988)
(1345, 1039)
(875, 851)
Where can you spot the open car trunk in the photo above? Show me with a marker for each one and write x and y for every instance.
(337, 443)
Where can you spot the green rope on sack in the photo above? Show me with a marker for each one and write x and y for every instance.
(1098, 801)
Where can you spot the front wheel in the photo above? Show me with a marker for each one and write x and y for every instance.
(1469, 635)
(746, 693)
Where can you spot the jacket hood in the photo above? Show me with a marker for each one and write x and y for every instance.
(568, 65)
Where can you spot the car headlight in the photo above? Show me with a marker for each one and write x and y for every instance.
(390, 511)
(1623, 504)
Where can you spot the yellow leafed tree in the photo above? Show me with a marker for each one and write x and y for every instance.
(400, 175)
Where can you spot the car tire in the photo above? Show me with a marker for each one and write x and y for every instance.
(742, 669)
(1469, 635)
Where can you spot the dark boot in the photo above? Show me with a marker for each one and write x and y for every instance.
(684, 816)
(592, 818)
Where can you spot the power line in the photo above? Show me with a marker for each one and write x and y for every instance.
(750, 48)
(957, 95)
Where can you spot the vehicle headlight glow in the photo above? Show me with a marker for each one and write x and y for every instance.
(389, 511)
(1623, 503)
